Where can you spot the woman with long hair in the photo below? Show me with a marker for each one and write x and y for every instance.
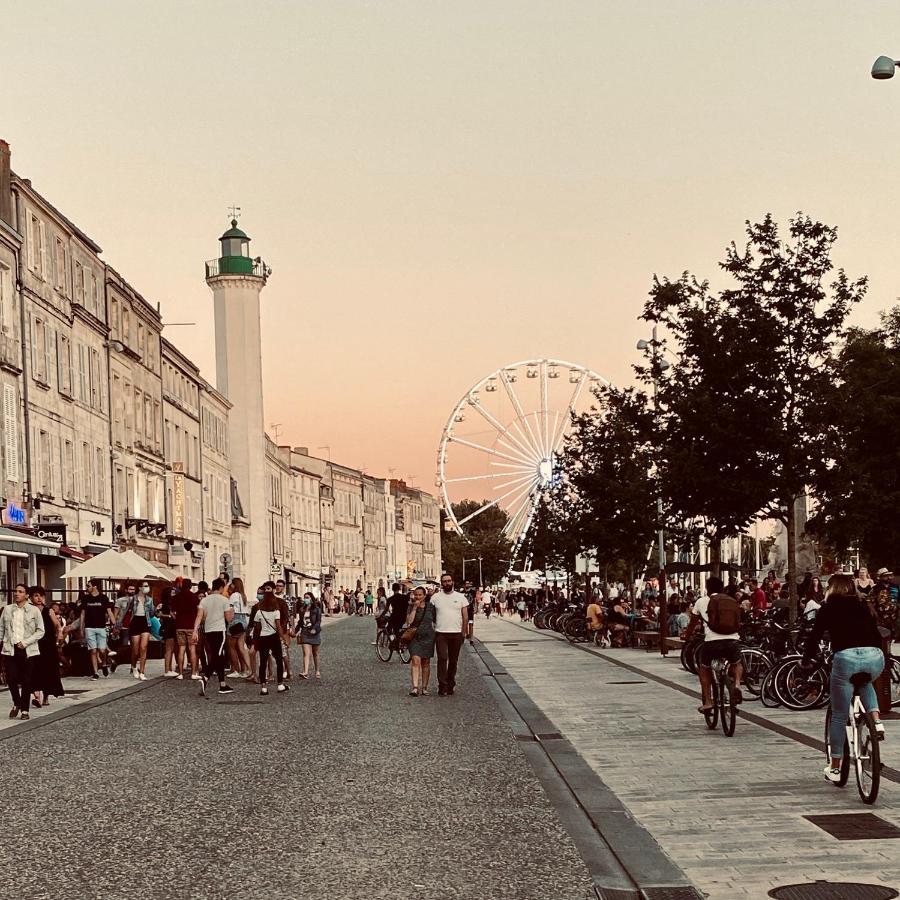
(863, 581)
(309, 634)
(45, 674)
(140, 604)
(421, 616)
(238, 651)
(856, 644)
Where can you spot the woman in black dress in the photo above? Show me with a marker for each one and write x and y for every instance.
(46, 664)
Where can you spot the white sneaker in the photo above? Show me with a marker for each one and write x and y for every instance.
(235, 675)
(833, 775)
(179, 677)
(135, 673)
(282, 688)
(196, 677)
(142, 676)
(171, 674)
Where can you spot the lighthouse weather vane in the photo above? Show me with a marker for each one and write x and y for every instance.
(235, 213)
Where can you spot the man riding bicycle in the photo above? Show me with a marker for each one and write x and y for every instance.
(720, 614)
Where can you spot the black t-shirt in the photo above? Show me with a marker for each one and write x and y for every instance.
(849, 623)
(94, 609)
(398, 604)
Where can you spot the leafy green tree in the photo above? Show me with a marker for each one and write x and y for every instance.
(860, 491)
(741, 419)
(483, 538)
(605, 494)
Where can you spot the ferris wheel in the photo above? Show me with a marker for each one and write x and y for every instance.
(501, 441)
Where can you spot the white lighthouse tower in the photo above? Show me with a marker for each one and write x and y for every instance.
(236, 281)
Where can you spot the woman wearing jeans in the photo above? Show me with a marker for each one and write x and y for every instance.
(856, 644)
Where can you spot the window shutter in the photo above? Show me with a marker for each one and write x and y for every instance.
(11, 432)
(49, 338)
(45, 254)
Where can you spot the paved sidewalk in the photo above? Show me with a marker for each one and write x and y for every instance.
(728, 811)
(346, 790)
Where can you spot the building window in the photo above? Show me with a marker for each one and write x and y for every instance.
(95, 297)
(36, 246)
(39, 350)
(61, 256)
(99, 477)
(45, 461)
(79, 283)
(114, 316)
(68, 463)
(87, 465)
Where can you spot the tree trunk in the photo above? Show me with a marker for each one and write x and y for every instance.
(794, 601)
(715, 557)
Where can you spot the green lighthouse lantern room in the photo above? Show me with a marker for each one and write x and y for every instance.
(235, 258)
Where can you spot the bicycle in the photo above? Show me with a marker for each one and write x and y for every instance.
(387, 643)
(862, 745)
(723, 709)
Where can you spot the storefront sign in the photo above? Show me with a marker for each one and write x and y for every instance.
(13, 514)
(51, 531)
(178, 504)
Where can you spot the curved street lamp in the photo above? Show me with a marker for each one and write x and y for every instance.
(884, 67)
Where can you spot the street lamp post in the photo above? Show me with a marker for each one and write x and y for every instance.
(658, 365)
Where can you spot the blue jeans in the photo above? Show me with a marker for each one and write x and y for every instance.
(844, 664)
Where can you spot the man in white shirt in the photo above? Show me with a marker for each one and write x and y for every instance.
(21, 627)
(451, 624)
(215, 614)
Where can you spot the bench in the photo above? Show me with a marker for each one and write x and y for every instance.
(650, 639)
(674, 643)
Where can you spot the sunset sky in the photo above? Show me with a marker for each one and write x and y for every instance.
(443, 188)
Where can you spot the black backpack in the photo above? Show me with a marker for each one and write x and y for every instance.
(724, 614)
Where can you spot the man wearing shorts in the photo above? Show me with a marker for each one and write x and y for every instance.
(184, 605)
(97, 611)
(715, 646)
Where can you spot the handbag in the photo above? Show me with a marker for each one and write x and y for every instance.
(411, 631)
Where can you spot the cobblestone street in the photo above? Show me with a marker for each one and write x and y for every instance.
(729, 812)
(345, 789)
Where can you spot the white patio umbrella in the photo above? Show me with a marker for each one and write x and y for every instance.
(147, 568)
(109, 564)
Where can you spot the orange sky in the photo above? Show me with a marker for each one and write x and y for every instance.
(442, 188)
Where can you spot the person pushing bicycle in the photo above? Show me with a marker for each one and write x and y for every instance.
(720, 614)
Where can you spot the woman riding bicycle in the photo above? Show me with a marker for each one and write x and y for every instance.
(856, 645)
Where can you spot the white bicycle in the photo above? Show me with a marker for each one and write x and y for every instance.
(862, 745)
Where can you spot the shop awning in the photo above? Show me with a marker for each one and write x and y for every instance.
(71, 553)
(18, 542)
(302, 575)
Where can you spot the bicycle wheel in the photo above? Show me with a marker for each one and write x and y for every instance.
(712, 715)
(403, 653)
(383, 646)
(767, 694)
(799, 690)
(868, 758)
(895, 681)
(756, 666)
(845, 759)
(727, 712)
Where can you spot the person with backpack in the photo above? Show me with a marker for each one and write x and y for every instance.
(720, 614)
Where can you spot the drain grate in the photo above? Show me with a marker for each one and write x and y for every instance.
(605, 893)
(676, 892)
(509, 645)
(624, 682)
(832, 890)
(856, 826)
(549, 736)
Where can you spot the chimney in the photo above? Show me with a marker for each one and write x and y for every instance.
(5, 186)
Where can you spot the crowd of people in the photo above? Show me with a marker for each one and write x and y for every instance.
(206, 631)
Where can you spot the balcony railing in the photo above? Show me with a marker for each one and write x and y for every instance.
(236, 265)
